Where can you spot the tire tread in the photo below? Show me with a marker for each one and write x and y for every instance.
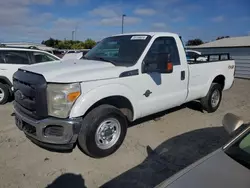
(205, 101)
(88, 120)
(5, 88)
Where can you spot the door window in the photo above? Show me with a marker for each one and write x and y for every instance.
(14, 57)
(163, 47)
(42, 57)
(240, 151)
(245, 144)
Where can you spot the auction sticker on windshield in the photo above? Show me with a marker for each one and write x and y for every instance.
(138, 38)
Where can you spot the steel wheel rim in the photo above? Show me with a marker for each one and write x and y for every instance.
(215, 99)
(1, 94)
(108, 133)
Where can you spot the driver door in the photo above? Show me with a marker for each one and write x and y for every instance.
(161, 91)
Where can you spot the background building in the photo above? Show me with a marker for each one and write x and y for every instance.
(238, 47)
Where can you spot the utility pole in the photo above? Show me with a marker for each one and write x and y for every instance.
(124, 15)
(73, 32)
(76, 30)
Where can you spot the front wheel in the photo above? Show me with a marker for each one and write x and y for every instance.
(4, 93)
(103, 131)
(212, 101)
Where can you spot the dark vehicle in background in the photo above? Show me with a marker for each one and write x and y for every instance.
(84, 52)
(58, 53)
(228, 167)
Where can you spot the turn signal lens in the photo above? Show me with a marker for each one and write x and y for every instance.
(169, 66)
(73, 96)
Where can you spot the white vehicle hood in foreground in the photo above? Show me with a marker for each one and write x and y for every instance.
(69, 71)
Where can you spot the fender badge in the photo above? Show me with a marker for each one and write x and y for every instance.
(147, 93)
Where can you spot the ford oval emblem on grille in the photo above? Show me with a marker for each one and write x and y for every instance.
(19, 94)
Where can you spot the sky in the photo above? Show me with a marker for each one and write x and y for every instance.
(37, 20)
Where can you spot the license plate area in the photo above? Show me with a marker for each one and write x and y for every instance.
(27, 128)
(30, 129)
(19, 123)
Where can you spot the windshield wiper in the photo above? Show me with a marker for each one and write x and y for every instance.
(106, 60)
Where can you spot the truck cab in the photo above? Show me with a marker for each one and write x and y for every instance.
(124, 77)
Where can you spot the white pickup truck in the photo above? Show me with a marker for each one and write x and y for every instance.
(123, 78)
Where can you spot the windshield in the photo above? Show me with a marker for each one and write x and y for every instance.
(122, 50)
(240, 151)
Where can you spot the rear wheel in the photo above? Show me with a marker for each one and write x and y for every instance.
(103, 131)
(212, 101)
(4, 93)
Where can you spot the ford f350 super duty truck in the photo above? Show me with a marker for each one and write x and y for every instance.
(123, 78)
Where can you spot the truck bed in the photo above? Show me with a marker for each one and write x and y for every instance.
(201, 73)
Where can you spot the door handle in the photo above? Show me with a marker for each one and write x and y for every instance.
(183, 75)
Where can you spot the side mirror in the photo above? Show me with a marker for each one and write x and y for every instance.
(162, 64)
(168, 68)
(232, 123)
(164, 67)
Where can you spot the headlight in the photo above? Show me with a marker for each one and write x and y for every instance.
(61, 97)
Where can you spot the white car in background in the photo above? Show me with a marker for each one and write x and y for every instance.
(11, 59)
(192, 54)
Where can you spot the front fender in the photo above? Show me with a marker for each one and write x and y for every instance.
(86, 100)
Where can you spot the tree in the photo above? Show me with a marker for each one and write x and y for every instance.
(194, 42)
(50, 42)
(222, 37)
(69, 44)
(89, 43)
(63, 45)
(78, 45)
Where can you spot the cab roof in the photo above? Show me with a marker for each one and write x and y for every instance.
(150, 34)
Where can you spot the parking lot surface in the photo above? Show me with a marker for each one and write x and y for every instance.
(155, 148)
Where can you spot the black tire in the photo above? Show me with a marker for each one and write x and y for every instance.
(91, 122)
(5, 89)
(206, 101)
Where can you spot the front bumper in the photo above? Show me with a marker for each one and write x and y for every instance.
(50, 133)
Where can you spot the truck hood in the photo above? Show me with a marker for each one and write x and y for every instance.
(214, 170)
(68, 71)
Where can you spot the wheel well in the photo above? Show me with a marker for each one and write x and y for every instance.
(119, 102)
(4, 80)
(220, 80)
